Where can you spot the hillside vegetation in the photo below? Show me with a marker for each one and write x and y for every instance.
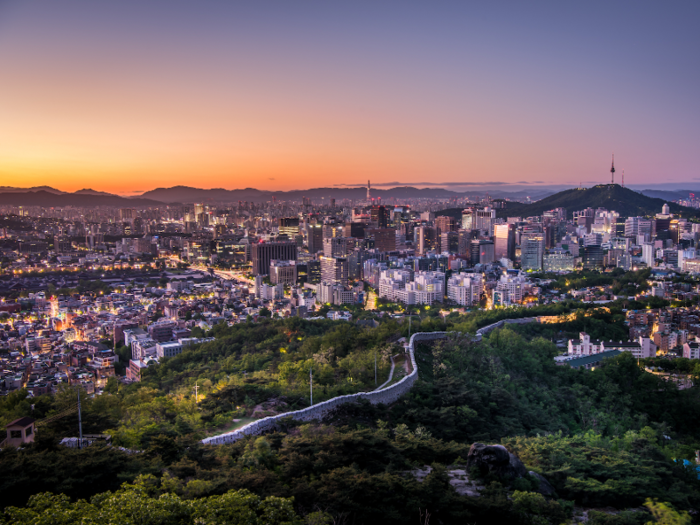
(601, 437)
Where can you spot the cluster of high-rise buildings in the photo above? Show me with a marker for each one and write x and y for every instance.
(294, 259)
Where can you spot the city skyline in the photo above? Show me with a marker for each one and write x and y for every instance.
(130, 97)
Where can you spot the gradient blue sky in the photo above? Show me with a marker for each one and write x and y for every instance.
(131, 95)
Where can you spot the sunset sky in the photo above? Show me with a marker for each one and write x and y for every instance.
(126, 96)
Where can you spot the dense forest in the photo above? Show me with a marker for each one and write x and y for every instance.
(612, 437)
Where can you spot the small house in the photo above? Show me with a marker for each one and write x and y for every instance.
(20, 432)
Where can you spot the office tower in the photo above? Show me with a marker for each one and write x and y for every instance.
(313, 272)
(449, 242)
(618, 228)
(337, 246)
(482, 251)
(199, 213)
(593, 257)
(662, 225)
(288, 226)
(445, 224)
(355, 260)
(334, 270)
(426, 239)
(584, 218)
(354, 229)
(478, 219)
(384, 238)
(314, 238)
(648, 254)
(263, 253)
(504, 241)
(635, 226)
(532, 251)
(379, 216)
(464, 241)
(283, 272)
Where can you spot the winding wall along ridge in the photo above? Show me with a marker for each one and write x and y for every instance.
(386, 395)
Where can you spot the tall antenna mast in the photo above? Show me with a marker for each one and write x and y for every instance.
(623, 178)
(612, 170)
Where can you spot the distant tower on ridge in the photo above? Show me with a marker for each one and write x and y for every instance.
(623, 178)
(612, 170)
(369, 187)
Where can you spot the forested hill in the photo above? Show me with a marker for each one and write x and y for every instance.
(627, 202)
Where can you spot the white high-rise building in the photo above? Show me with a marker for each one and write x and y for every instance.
(465, 289)
(648, 254)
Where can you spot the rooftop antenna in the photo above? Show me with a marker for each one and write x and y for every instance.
(612, 170)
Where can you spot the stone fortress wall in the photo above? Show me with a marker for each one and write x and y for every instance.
(486, 329)
(386, 395)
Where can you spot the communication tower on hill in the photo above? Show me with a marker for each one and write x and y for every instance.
(612, 170)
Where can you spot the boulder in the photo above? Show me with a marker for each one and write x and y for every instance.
(496, 461)
(545, 488)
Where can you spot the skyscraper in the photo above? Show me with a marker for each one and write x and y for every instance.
(263, 253)
(384, 238)
(334, 270)
(426, 238)
(504, 241)
(289, 226)
(449, 242)
(314, 237)
(464, 241)
(379, 216)
(444, 224)
(532, 251)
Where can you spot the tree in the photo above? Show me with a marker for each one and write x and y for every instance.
(666, 515)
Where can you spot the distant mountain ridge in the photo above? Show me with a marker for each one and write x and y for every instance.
(189, 194)
(93, 192)
(48, 199)
(12, 189)
(626, 202)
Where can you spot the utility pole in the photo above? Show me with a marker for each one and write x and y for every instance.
(196, 392)
(80, 422)
(311, 384)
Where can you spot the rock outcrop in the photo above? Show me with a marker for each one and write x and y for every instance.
(545, 488)
(495, 460)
